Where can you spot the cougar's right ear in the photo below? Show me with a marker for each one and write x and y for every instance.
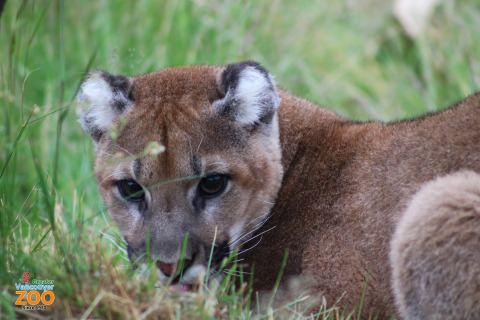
(105, 97)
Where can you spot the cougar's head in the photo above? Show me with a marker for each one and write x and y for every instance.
(185, 158)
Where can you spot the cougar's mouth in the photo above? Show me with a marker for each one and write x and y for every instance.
(187, 274)
(173, 269)
(192, 272)
(178, 283)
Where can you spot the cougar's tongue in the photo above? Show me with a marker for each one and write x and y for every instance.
(185, 287)
(174, 288)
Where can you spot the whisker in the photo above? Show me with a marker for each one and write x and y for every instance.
(241, 232)
(259, 217)
(255, 228)
(213, 163)
(100, 183)
(117, 146)
(198, 148)
(113, 240)
(191, 151)
(110, 155)
(256, 244)
(230, 273)
(260, 234)
(236, 273)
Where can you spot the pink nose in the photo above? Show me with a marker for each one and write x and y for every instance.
(167, 269)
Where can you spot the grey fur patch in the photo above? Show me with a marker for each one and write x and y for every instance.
(137, 167)
(196, 163)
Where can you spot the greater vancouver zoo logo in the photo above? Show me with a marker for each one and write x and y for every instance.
(32, 292)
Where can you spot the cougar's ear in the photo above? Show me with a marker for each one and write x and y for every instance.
(250, 95)
(105, 97)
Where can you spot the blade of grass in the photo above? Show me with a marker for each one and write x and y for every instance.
(93, 305)
(147, 245)
(35, 30)
(2, 5)
(250, 289)
(65, 110)
(12, 49)
(46, 115)
(61, 119)
(182, 256)
(37, 246)
(17, 139)
(44, 187)
(23, 91)
(210, 259)
(14, 224)
(363, 296)
(277, 283)
(90, 62)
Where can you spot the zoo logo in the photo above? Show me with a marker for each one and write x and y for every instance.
(33, 296)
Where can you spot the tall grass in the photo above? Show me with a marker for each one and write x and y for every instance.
(351, 56)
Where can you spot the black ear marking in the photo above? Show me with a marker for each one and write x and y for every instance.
(120, 86)
(231, 74)
(94, 131)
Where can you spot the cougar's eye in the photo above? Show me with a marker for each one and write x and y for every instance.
(213, 185)
(130, 190)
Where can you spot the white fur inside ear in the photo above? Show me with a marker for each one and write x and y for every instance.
(254, 88)
(100, 97)
(251, 87)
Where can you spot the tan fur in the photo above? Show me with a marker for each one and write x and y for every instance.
(435, 251)
(339, 188)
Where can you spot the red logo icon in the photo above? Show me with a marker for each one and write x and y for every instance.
(25, 277)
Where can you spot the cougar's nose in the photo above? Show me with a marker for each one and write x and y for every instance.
(168, 268)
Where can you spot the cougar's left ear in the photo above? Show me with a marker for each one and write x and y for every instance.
(250, 95)
(106, 97)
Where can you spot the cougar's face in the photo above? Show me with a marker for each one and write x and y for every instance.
(215, 179)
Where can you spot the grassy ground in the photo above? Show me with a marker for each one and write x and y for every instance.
(351, 56)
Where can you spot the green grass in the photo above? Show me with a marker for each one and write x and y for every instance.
(351, 56)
